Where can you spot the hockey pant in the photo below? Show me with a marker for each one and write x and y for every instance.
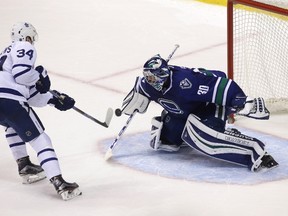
(23, 125)
(229, 146)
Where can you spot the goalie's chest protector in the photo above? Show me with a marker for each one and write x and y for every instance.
(187, 93)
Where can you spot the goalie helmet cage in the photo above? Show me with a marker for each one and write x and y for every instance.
(258, 49)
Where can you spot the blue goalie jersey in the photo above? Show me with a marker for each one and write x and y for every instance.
(197, 91)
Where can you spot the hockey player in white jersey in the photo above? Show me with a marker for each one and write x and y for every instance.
(22, 86)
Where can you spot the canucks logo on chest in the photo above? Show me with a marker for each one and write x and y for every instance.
(185, 84)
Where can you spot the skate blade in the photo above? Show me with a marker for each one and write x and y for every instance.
(32, 178)
(266, 169)
(68, 195)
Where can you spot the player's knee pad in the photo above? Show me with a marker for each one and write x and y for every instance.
(212, 142)
(41, 142)
(13, 138)
(16, 144)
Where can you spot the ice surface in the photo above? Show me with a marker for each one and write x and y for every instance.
(93, 50)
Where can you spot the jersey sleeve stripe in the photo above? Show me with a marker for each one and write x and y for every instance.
(220, 91)
(215, 90)
(27, 69)
(10, 91)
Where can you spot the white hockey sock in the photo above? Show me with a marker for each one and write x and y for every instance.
(46, 155)
(16, 144)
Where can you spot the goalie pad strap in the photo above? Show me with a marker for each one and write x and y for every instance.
(228, 146)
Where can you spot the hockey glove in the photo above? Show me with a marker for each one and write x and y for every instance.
(135, 100)
(62, 101)
(43, 84)
(255, 108)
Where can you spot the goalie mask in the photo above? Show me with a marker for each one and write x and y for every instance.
(156, 72)
(22, 30)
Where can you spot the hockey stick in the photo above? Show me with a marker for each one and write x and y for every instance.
(118, 112)
(172, 53)
(109, 153)
(108, 117)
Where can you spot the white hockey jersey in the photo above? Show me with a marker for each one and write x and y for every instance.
(18, 76)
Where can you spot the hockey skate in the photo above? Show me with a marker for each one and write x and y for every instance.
(66, 190)
(267, 163)
(29, 172)
(170, 147)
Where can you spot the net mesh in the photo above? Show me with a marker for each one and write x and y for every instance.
(260, 53)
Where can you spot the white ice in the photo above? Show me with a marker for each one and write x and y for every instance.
(93, 50)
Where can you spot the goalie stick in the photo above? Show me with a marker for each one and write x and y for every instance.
(109, 152)
(172, 53)
(108, 118)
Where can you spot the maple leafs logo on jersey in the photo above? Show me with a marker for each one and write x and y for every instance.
(185, 84)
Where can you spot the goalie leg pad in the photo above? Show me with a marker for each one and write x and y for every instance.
(155, 141)
(231, 146)
(157, 125)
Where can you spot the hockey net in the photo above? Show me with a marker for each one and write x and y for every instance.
(258, 49)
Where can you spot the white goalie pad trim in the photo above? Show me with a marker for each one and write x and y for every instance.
(156, 132)
(219, 147)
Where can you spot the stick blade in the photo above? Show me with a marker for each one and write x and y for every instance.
(108, 154)
(109, 116)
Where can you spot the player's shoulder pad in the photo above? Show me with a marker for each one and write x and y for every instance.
(25, 49)
(178, 68)
(23, 45)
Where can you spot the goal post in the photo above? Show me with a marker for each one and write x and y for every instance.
(257, 34)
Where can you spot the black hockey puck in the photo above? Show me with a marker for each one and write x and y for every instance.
(118, 112)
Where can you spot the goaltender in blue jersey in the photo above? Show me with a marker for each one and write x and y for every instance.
(196, 104)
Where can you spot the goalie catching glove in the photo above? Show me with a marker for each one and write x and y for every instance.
(254, 108)
(61, 101)
(135, 100)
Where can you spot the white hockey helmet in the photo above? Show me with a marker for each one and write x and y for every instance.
(22, 30)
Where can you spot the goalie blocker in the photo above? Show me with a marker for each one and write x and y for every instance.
(135, 100)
